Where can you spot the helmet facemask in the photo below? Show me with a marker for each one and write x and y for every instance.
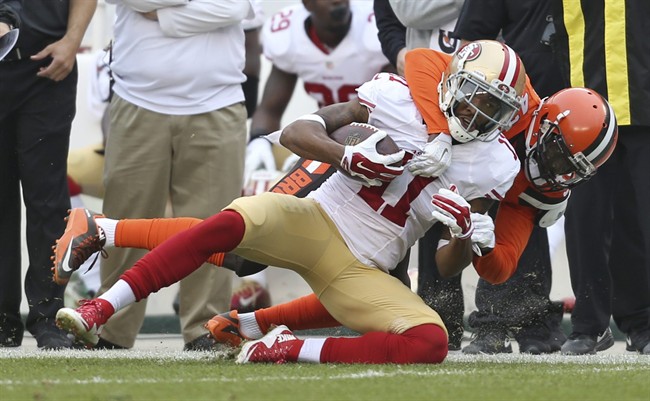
(551, 166)
(488, 110)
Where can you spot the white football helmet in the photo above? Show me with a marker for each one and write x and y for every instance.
(481, 90)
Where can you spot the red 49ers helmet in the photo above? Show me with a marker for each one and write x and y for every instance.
(572, 134)
(480, 91)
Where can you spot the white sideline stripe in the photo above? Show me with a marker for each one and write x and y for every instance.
(370, 373)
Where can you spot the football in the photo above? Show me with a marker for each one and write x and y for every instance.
(355, 133)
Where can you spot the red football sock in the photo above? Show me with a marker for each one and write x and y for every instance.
(426, 343)
(300, 314)
(185, 252)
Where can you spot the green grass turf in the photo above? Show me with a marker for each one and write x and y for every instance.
(205, 376)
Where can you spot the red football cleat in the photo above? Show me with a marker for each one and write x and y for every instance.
(278, 346)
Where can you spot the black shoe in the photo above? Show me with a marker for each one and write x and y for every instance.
(10, 338)
(455, 338)
(537, 346)
(50, 337)
(203, 342)
(105, 344)
(638, 341)
(582, 344)
(489, 342)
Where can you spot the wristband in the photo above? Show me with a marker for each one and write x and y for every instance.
(313, 117)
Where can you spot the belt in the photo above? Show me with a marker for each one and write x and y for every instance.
(15, 55)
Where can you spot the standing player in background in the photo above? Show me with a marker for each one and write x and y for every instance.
(332, 47)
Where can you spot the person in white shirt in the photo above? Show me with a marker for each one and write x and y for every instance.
(177, 134)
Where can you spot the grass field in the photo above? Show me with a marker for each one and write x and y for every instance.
(119, 376)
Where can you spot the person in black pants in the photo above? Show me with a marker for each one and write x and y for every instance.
(607, 223)
(37, 106)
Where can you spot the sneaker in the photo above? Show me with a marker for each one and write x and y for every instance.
(11, 331)
(50, 337)
(104, 344)
(582, 344)
(278, 345)
(638, 341)
(249, 297)
(81, 238)
(489, 342)
(204, 342)
(537, 346)
(224, 328)
(86, 321)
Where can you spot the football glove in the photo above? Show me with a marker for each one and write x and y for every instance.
(434, 159)
(259, 155)
(363, 161)
(452, 210)
(483, 234)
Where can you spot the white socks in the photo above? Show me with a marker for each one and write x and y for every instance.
(108, 226)
(311, 349)
(249, 327)
(120, 295)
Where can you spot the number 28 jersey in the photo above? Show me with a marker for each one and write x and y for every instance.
(398, 213)
(329, 75)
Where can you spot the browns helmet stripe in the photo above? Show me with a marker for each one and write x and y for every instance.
(606, 139)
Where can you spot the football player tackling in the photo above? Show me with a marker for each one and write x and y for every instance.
(345, 236)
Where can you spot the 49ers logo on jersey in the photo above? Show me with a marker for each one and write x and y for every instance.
(470, 51)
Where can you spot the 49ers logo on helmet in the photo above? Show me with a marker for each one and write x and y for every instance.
(506, 89)
(470, 51)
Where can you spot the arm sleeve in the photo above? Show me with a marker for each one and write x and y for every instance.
(200, 16)
(423, 71)
(391, 32)
(10, 11)
(426, 15)
(480, 19)
(145, 6)
(513, 226)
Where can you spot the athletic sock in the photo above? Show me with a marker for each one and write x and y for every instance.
(248, 326)
(300, 314)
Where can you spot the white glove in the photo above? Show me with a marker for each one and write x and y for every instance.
(363, 161)
(452, 210)
(435, 158)
(259, 155)
(483, 235)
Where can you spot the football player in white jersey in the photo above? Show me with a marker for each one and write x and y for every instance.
(332, 48)
(341, 239)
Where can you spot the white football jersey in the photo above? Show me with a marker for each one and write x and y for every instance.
(380, 224)
(329, 76)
